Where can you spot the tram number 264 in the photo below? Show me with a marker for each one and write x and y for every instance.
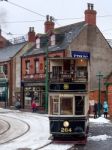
(66, 130)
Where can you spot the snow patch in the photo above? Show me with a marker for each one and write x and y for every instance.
(99, 137)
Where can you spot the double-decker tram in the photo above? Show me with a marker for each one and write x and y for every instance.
(68, 115)
(68, 106)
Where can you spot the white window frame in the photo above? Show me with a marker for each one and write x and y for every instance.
(38, 43)
(27, 67)
(36, 66)
(53, 40)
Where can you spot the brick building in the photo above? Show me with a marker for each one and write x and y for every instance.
(78, 38)
(10, 66)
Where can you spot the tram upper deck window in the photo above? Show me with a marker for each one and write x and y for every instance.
(66, 106)
(54, 105)
(79, 105)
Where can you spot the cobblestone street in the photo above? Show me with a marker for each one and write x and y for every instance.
(98, 130)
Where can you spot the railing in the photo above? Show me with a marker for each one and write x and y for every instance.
(68, 77)
(60, 77)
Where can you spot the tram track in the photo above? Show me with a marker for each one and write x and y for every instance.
(7, 135)
(45, 144)
(4, 126)
(52, 145)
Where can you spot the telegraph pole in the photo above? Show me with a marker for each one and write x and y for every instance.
(99, 75)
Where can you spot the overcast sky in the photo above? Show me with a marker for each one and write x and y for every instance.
(17, 20)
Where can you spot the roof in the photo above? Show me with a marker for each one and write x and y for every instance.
(110, 42)
(7, 52)
(70, 32)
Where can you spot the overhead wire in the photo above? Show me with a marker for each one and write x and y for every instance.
(5, 22)
(25, 8)
(55, 19)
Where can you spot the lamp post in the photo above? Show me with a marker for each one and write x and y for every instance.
(99, 75)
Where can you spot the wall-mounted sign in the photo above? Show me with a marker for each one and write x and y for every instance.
(80, 54)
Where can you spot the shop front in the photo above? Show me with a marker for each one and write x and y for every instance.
(3, 92)
(32, 91)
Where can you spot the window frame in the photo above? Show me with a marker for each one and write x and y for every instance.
(36, 66)
(27, 66)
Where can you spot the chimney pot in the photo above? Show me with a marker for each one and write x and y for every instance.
(31, 35)
(90, 15)
(92, 6)
(49, 24)
(88, 6)
(47, 18)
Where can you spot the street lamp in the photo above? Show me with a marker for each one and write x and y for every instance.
(99, 75)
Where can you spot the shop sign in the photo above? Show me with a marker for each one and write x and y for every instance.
(80, 54)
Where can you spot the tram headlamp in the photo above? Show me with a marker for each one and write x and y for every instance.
(65, 123)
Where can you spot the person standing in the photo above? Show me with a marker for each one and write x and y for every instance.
(95, 110)
(105, 109)
(33, 105)
(17, 103)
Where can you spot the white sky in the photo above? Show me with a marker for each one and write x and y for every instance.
(38, 135)
(59, 9)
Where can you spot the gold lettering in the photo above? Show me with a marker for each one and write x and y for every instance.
(66, 130)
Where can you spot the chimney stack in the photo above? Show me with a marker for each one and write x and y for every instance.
(49, 24)
(90, 15)
(31, 35)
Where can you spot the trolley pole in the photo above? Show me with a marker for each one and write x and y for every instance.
(46, 80)
(99, 92)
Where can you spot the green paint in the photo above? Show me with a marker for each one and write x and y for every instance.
(99, 93)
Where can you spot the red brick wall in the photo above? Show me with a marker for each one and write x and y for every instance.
(110, 99)
(41, 63)
(93, 95)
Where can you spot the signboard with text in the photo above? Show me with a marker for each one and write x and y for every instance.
(80, 54)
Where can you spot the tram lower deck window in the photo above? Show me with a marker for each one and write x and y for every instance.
(66, 106)
(79, 105)
(54, 105)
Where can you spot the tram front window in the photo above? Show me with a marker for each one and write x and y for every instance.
(66, 106)
(79, 105)
(54, 105)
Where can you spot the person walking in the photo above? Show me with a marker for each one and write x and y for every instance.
(105, 109)
(95, 110)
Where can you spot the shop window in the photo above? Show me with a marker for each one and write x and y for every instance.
(1, 69)
(5, 69)
(66, 106)
(79, 105)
